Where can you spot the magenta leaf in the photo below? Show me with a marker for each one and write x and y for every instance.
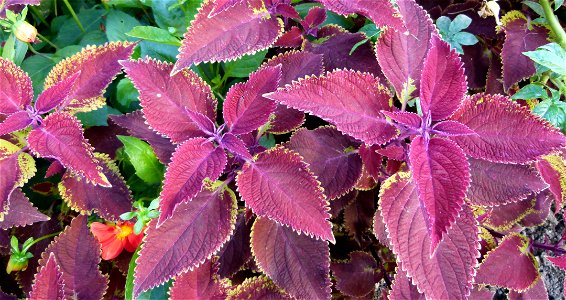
(165, 98)
(451, 128)
(358, 216)
(350, 100)
(540, 211)
(506, 132)
(205, 124)
(400, 55)
(494, 184)
(442, 175)
(245, 109)
(15, 84)
(552, 169)
(314, 18)
(381, 12)
(61, 137)
(197, 230)
(292, 38)
(56, 94)
(357, 277)
(446, 274)
(258, 288)
(393, 151)
(536, 291)
(503, 217)
(54, 168)
(330, 157)
(379, 230)
(559, 261)
(48, 283)
(371, 159)
(296, 263)
(78, 253)
(279, 186)
(409, 119)
(403, 289)
(228, 35)
(237, 251)
(443, 83)
(222, 5)
(337, 205)
(21, 212)
(235, 145)
(510, 265)
(14, 122)
(193, 162)
(200, 283)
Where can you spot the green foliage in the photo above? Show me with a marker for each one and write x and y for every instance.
(147, 167)
(452, 31)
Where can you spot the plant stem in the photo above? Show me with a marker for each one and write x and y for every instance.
(554, 23)
(37, 53)
(40, 239)
(549, 247)
(43, 38)
(70, 8)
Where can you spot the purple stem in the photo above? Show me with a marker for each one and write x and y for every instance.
(548, 247)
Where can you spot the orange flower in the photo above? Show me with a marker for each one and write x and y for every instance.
(115, 238)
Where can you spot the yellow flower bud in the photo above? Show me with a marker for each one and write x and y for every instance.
(25, 32)
(17, 263)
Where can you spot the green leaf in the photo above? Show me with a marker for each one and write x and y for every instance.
(158, 292)
(443, 24)
(127, 96)
(159, 51)
(551, 56)
(558, 4)
(129, 290)
(459, 23)
(154, 34)
(553, 111)
(37, 67)
(531, 91)
(244, 66)
(117, 24)
(465, 38)
(14, 244)
(142, 157)
(267, 141)
(371, 31)
(154, 204)
(537, 8)
(128, 216)
(168, 15)
(68, 32)
(138, 226)
(97, 117)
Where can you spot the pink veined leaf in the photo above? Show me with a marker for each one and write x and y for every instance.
(78, 254)
(505, 216)
(193, 162)
(442, 176)
(403, 289)
(56, 94)
(200, 283)
(10, 173)
(409, 119)
(552, 169)
(15, 84)
(98, 65)
(164, 98)
(205, 124)
(235, 145)
(279, 186)
(381, 12)
(21, 212)
(223, 5)
(60, 136)
(356, 277)
(48, 283)
(330, 156)
(443, 82)
(446, 274)
(559, 261)
(400, 55)
(297, 263)
(197, 230)
(535, 292)
(228, 35)
(350, 100)
(371, 159)
(14, 122)
(451, 128)
(258, 288)
(520, 36)
(506, 132)
(237, 251)
(510, 265)
(358, 216)
(245, 108)
(494, 184)
(292, 38)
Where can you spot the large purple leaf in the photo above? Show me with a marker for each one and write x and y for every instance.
(197, 230)
(237, 251)
(381, 12)
(98, 65)
(245, 109)
(296, 263)
(164, 98)
(21, 212)
(48, 282)
(330, 157)
(400, 55)
(279, 186)
(14, 122)
(258, 288)
(443, 83)
(108, 203)
(356, 277)
(228, 35)
(56, 94)
(442, 175)
(351, 100)
(60, 136)
(506, 131)
(494, 184)
(200, 283)
(16, 91)
(78, 253)
(192, 162)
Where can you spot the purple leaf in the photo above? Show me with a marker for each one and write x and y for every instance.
(552, 169)
(56, 94)
(409, 119)
(21, 212)
(536, 291)
(296, 263)
(337, 205)
(279, 186)
(48, 283)
(292, 38)
(258, 288)
(10, 173)
(446, 274)
(540, 211)
(351, 100)
(203, 123)
(245, 109)
(442, 175)
(235, 145)
(78, 254)
(314, 18)
(503, 217)
(506, 132)
(403, 289)
(381, 12)
(222, 5)
(61, 137)
(452, 128)
(393, 151)
(494, 184)
(358, 216)
(357, 277)
(443, 83)
(237, 251)
(197, 230)
(228, 35)
(192, 162)
(164, 98)
(14, 122)
(200, 283)
(16, 88)
(54, 168)
(371, 159)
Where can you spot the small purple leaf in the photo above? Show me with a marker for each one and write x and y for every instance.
(503, 217)
(14, 122)
(233, 144)
(452, 128)
(314, 18)
(204, 123)
(54, 168)
(48, 283)
(15, 84)
(357, 277)
(371, 159)
(409, 119)
(200, 283)
(56, 94)
(552, 169)
(21, 212)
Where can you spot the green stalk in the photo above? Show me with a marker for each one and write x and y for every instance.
(554, 23)
(47, 41)
(39, 240)
(70, 8)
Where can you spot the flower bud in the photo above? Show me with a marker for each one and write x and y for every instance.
(17, 262)
(25, 32)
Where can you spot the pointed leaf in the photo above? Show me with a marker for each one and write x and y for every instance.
(48, 282)
(192, 162)
(279, 186)
(21, 212)
(14, 122)
(357, 276)
(296, 263)
(506, 132)
(535, 292)
(503, 217)
(56, 94)
(228, 35)
(197, 230)
(16, 88)
(235, 145)
(200, 283)
(351, 100)
(258, 288)
(222, 5)
(446, 274)
(552, 169)
(451, 128)
(164, 98)
(409, 119)
(61, 137)
(203, 123)
(381, 12)
(78, 253)
(237, 251)
(371, 159)
(442, 175)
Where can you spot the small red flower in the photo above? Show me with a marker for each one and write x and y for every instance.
(116, 237)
